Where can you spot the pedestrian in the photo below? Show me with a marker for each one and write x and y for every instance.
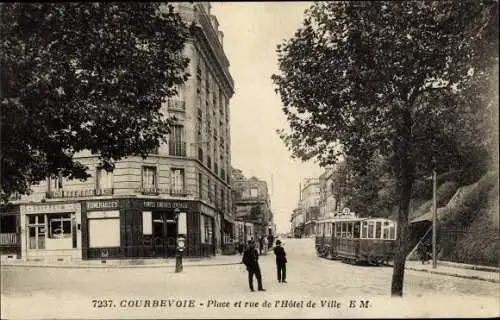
(251, 261)
(261, 244)
(270, 240)
(264, 246)
(240, 247)
(281, 261)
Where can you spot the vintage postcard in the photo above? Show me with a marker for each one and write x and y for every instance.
(224, 160)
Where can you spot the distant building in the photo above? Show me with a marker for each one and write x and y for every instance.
(130, 212)
(309, 205)
(297, 223)
(252, 204)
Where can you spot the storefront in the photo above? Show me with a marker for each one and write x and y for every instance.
(51, 230)
(10, 231)
(145, 228)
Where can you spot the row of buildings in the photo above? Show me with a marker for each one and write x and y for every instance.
(319, 197)
(132, 211)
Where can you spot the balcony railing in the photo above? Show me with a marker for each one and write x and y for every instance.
(176, 105)
(8, 239)
(177, 148)
(175, 192)
(79, 193)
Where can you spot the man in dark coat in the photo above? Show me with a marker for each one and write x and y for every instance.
(281, 261)
(251, 261)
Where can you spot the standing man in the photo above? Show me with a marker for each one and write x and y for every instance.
(281, 261)
(251, 261)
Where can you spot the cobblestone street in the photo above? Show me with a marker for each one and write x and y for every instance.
(68, 292)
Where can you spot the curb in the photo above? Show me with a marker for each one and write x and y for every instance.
(469, 267)
(109, 266)
(454, 275)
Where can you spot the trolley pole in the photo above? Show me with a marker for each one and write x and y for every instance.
(434, 218)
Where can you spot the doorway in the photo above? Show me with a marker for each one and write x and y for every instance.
(164, 234)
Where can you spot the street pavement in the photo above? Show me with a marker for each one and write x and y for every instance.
(221, 291)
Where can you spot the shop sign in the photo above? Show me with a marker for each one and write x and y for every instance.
(165, 204)
(92, 205)
(52, 207)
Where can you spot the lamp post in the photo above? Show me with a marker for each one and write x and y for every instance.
(181, 240)
(434, 218)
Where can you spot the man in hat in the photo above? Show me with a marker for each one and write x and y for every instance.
(281, 261)
(251, 261)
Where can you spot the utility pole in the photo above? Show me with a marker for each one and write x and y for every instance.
(434, 219)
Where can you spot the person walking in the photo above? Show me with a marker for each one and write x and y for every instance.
(281, 261)
(251, 261)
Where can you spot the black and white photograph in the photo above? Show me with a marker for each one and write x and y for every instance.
(248, 160)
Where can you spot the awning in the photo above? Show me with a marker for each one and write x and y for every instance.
(428, 216)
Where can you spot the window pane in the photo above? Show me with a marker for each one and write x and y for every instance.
(41, 241)
(392, 232)
(31, 219)
(378, 229)
(41, 218)
(104, 233)
(32, 237)
(370, 230)
(66, 228)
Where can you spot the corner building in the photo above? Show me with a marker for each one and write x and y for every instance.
(130, 213)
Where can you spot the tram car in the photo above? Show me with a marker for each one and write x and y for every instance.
(356, 240)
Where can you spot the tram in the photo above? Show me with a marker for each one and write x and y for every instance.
(356, 240)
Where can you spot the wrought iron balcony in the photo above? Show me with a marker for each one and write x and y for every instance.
(176, 105)
(175, 192)
(79, 193)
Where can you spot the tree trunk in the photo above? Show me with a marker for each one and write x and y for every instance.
(406, 167)
(402, 240)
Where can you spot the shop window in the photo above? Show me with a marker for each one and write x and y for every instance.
(104, 233)
(208, 230)
(36, 231)
(59, 226)
(147, 223)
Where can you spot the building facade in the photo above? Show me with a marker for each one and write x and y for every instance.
(132, 211)
(252, 205)
(309, 205)
(297, 223)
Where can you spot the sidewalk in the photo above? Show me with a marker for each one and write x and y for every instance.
(460, 270)
(126, 263)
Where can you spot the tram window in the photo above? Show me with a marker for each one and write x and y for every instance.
(370, 229)
(364, 230)
(392, 232)
(356, 230)
(349, 230)
(378, 230)
(385, 233)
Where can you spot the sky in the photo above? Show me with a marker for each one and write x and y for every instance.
(252, 30)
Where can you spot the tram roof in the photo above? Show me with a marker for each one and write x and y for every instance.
(354, 219)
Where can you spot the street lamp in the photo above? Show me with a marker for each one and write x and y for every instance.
(181, 240)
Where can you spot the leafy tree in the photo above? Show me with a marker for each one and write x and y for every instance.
(79, 76)
(362, 78)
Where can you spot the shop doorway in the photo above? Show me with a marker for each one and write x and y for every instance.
(164, 234)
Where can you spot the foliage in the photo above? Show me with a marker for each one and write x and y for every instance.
(79, 76)
(392, 79)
